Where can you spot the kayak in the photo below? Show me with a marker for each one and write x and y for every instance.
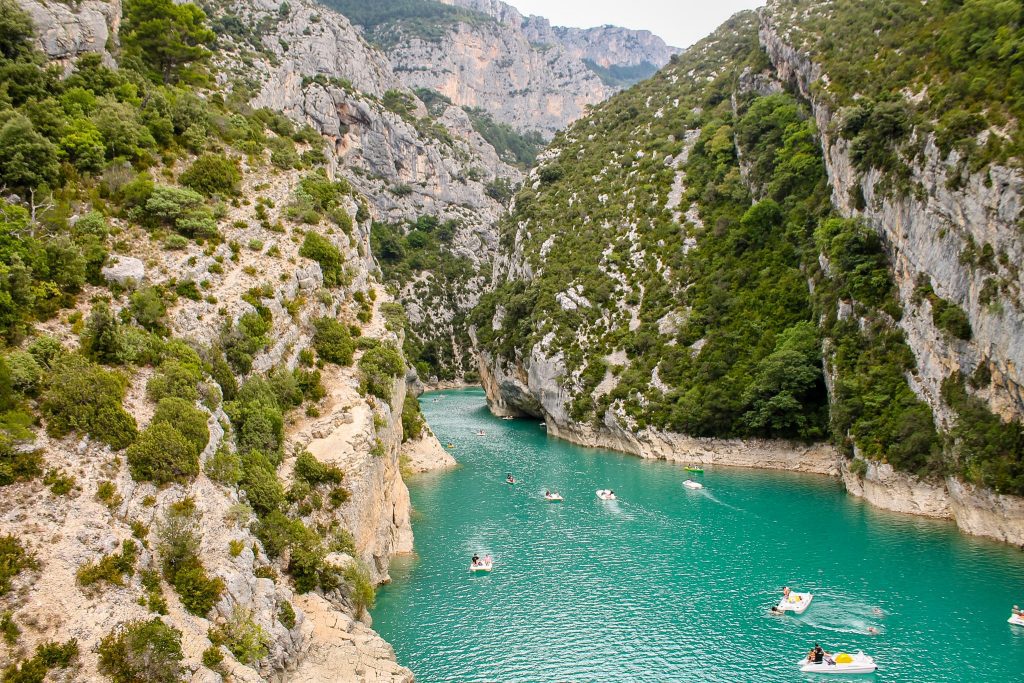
(695, 470)
(691, 484)
(1016, 619)
(605, 494)
(553, 498)
(796, 602)
(843, 663)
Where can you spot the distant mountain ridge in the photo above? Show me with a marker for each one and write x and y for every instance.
(485, 54)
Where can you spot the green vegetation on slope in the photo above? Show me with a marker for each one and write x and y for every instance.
(519, 149)
(695, 315)
(961, 60)
(621, 76)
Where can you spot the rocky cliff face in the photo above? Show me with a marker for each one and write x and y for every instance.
(521, 70)
(65, 31)
(930, 235)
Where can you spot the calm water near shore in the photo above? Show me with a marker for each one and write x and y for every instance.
(669, 584)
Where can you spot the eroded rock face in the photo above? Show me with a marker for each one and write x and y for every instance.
(522, 70)
(65, 31)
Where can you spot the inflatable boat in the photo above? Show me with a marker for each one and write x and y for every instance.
(841, 663)
(795, 602)
(552, 498)
(605, 494)
(484, 565)
(1016, 619)
(691, 484)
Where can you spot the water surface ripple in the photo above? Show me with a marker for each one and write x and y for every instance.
(668, 584)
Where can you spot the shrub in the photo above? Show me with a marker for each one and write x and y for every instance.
(26, 373)
(332, 341)
(84, 397)
(380, 366)
(163, 455)
(13, 560)
(286, 615)
(213, 657)
(102, 338)
(110, 568)
(361, 589)
(186, 418)
(262, 488)
(47, 656)
(212, 174)
(148, 308)
(198, 592)
(951, 319)
(224, 467)
(175, 380)
(412, 419)
(179, 551)
(242, 636)
(321, 250)
(142, 651)
(313, 472)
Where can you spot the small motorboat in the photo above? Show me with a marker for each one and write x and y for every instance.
(691, 484)
(508, 417)
(606, 494)
(451, 445)
(1016, 619)
(552, 497)
(795, 602)
(485, 564)
(841, 663)
(694, 470)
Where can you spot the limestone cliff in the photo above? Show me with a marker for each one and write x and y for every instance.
(521, 70)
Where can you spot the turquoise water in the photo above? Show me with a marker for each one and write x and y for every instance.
(669, 584)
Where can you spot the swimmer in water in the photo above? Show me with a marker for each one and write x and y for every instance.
(872, 631)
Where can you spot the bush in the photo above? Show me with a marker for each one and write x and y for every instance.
(951, 319)
(333, 341)
(185, 418)
(178, 546)
(148, 308)
(102, 338)
(412, 419)
(142, 651)
(48, 656)
(163, 455)
(175, 380)
(86, 398)
(212, 174)
(110, 568)
(286, 615)
(224, 467)
(323, 251)
(380, 366)
(262, 488)
(198, 592)
(361, 589)
(242, 636)
(313, 472)
(13, 560)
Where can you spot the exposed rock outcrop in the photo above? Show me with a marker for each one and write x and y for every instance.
(65, 31)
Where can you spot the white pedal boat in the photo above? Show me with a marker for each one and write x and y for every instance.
(605, 494)
(508, 417)
(1016, 619)
(691, 484)
(552, 498)
(844, 663)
(484, 565)
(796, 603)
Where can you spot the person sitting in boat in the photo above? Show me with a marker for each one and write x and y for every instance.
(510, 479)
(547, 494)
(790, 596)
(816, 655)
(1018, 612)
(476, 560)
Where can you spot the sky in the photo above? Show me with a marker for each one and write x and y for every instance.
(679, 22)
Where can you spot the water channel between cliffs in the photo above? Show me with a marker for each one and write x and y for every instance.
(669, 584)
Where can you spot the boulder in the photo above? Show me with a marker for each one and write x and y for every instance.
(124, 270)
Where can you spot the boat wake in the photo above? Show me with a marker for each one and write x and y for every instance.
(842, 616)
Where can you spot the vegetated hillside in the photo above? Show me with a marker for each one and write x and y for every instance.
(711, 249)
(201, 375)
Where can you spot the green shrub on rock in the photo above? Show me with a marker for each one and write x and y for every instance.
(84, 397)
(186, 418)
(212, 174)
(323, 251)
(163, 455)
(333, 341)
(13, 560)
(380, 366)
(142, 651)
